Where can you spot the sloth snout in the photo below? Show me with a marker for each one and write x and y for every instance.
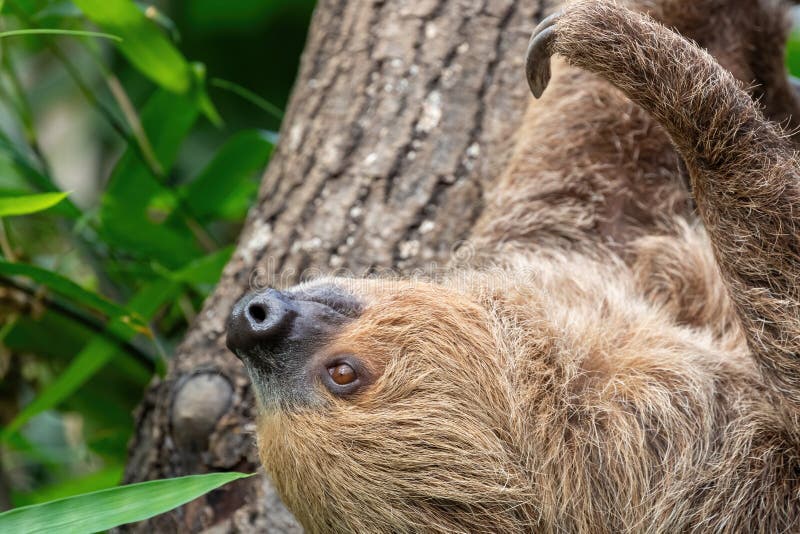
(260, 321)
(278, 331)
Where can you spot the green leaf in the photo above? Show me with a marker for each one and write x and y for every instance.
(76, 294)
(101, 510)
(93, 357)
(201, 96)
(56, 31)
(23, 205)
(142, 43)
(237, 161)
(97, 353)
(205, 270)
(34, 176)
(126, 216)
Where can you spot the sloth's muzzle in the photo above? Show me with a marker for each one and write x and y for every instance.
(270, 330)
(260, 320)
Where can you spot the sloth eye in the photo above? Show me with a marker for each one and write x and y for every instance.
(342, 374)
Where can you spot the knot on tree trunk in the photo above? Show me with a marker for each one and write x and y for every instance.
(199, 403)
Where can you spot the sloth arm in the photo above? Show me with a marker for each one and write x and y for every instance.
(743, 171)
(588, 168)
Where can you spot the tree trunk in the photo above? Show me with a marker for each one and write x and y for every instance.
(402, 113)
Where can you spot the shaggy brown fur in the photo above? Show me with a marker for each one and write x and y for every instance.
(624, 368)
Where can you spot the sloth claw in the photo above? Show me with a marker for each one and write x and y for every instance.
(537, 58)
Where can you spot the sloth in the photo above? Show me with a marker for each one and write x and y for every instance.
(624, 354)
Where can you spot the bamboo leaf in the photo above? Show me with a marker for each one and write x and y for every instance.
(75, 293)
(205, 270)
(105, 509)
(142, 43)
(242, 157)
(127, 215)
(23, 205)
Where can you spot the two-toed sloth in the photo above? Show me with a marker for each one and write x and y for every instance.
(630, 363)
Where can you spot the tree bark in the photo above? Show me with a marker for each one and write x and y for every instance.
(403, 112)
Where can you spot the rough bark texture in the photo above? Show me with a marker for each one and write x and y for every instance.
(402, 113)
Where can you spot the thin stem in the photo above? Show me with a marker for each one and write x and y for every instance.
(132, 117)
(250, 96)
(86, 320)
(26, 114)
(87, 93)
(5, 245)
(56, 31)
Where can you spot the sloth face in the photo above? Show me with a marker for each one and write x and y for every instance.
(336, 339)
(380, 394)
(284, 339)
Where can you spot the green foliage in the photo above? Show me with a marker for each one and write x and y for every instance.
(101, 510)
(170, 122)
(98, 285)
(75, 293)
(142, 42)
(26, 204)
(793, 53)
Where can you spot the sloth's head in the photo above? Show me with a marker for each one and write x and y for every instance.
(384, 406)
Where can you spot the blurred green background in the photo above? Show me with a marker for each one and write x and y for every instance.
(160, 139)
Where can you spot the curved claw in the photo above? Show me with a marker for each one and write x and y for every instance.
(537, 58)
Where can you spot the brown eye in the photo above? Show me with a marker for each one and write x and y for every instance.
(342, 374)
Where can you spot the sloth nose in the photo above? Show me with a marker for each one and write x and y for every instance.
(273, 329)
(260, 320)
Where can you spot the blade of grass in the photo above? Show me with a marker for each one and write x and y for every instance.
(250, 96)
(56, 31)
(125, 104)
(5, 244)
(26, 204)
(101, 510)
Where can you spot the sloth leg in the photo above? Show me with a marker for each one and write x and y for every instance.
(744, 172)
(747, 37)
